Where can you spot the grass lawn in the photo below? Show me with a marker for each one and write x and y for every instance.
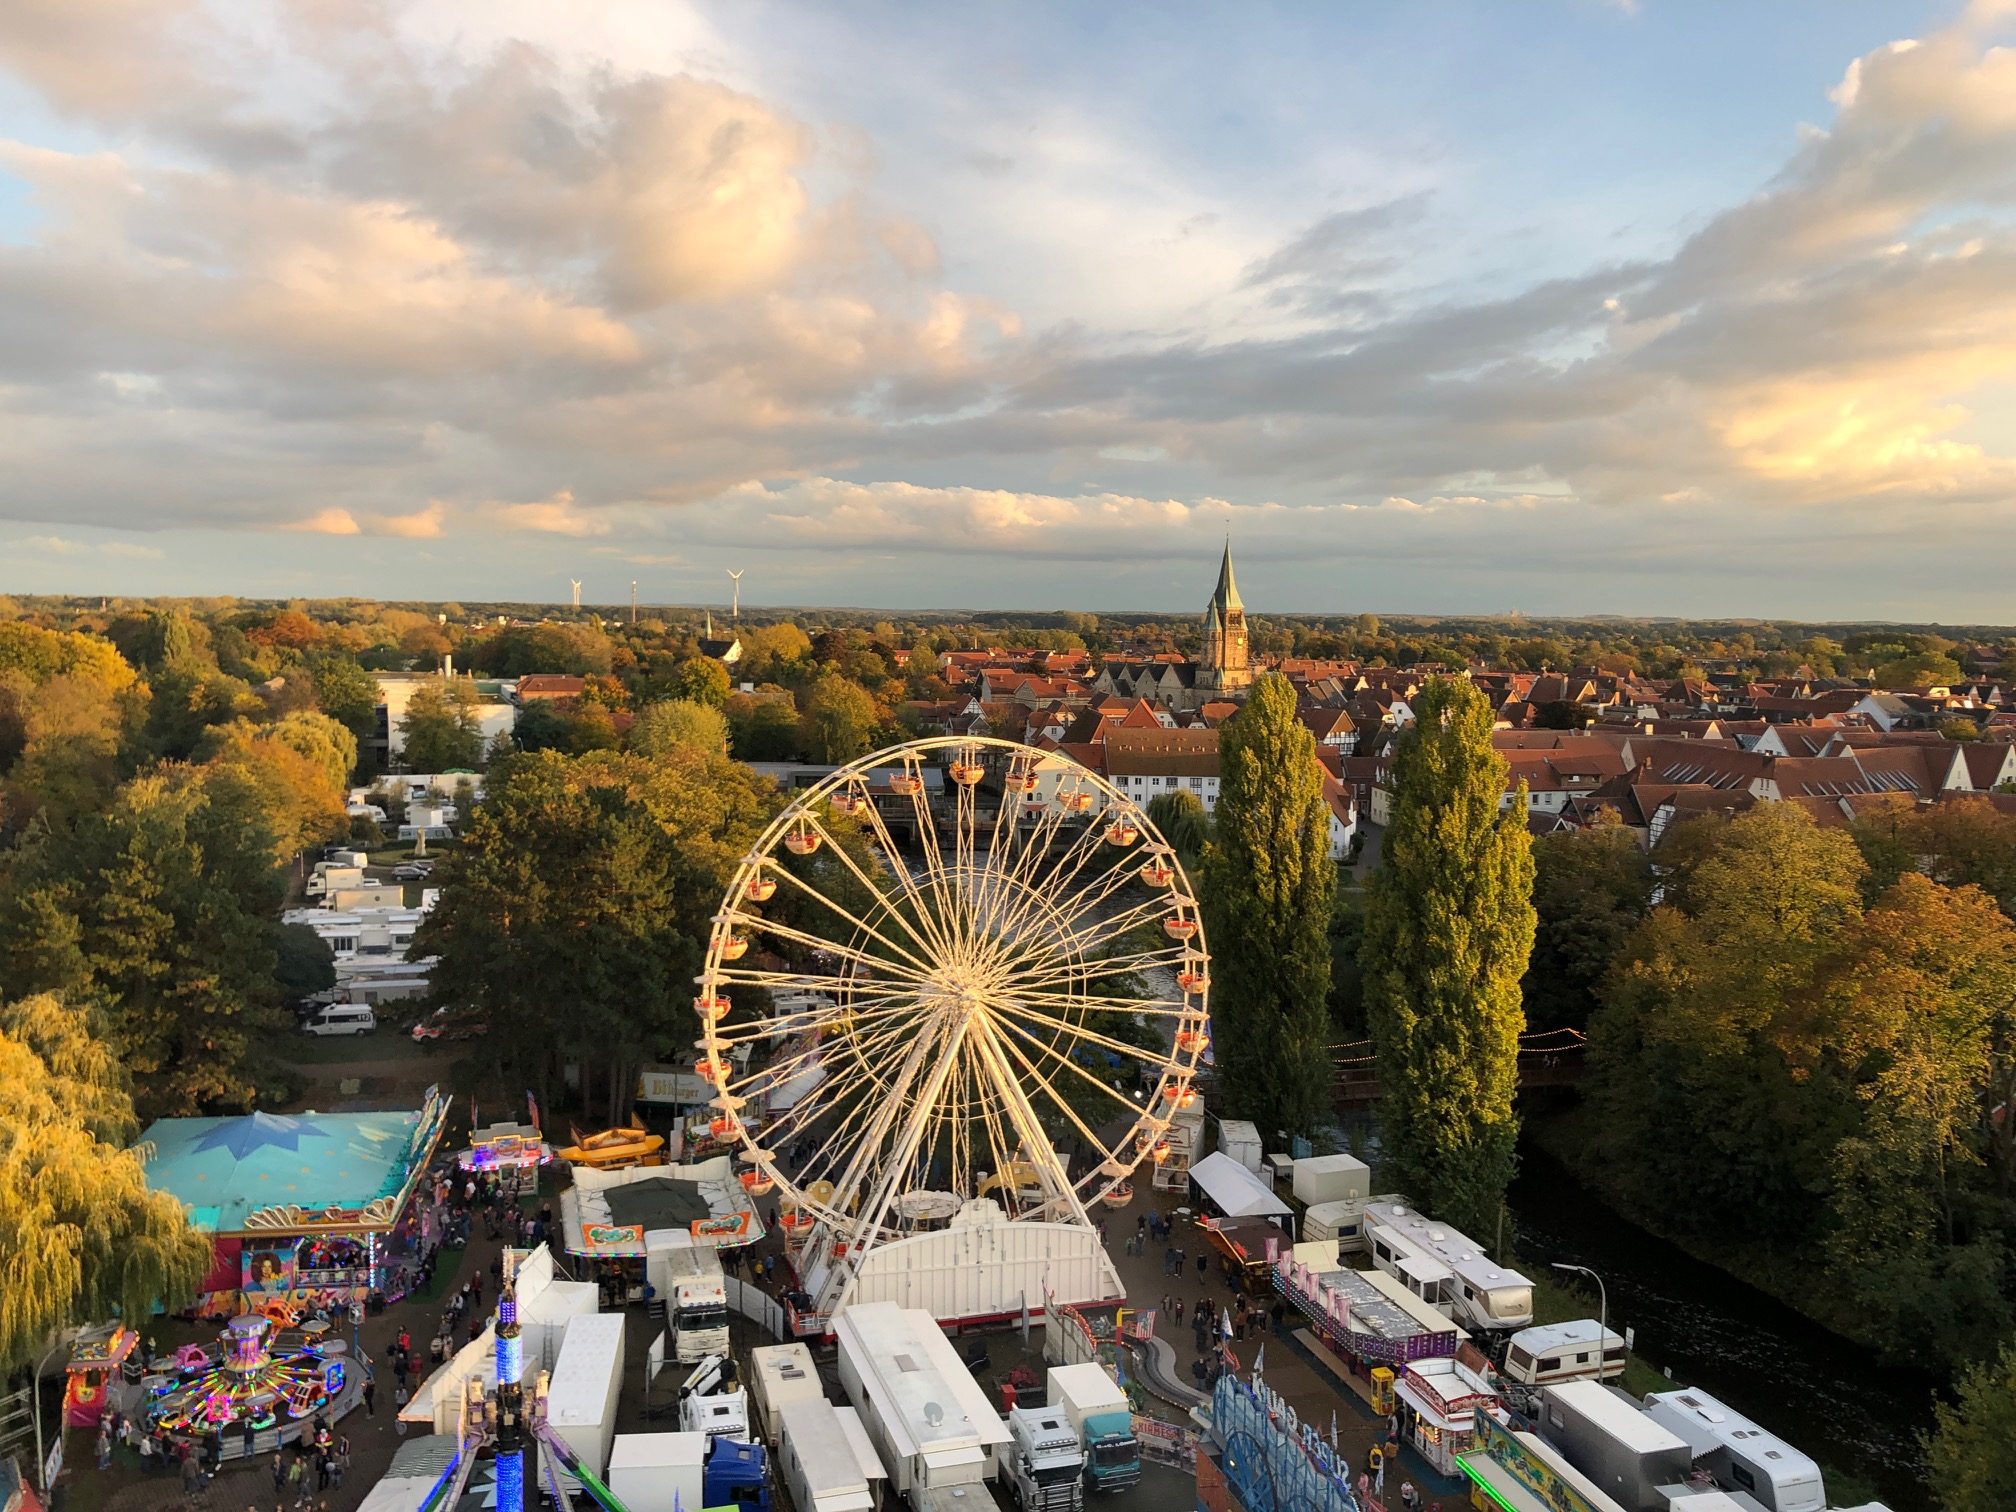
(383, 1044)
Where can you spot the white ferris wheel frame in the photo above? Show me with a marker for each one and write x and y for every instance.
(994, 999)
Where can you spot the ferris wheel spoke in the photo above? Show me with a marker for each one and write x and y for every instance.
(1029, 1066)
(1050, 1050)
(1063, 975)
(1028, 1126)
(1061, 1001)
(839, 911)
(1077, 1032)
(894, 872)
(927, 925)
(875, 1209)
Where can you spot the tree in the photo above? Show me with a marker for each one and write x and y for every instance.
(81, 1236)
(1448, 932)
(763, 726)
(663, 727)
(701, 680)
(440, 729)
(1266, 898)
(303, 963)
(298, 767)
(539, 726)
(346, 692)
(1970, 1455)
(1590, 890)
(1917, 669)
(158, 912)
(591, 882)
(1180, 819)
(840, 720)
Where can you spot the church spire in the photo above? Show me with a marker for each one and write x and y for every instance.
(1227, 596)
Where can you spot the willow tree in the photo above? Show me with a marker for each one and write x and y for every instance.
(1448, 930)
(1267, 886)
(81, 1236)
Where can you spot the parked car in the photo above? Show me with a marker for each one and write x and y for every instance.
(444, 1024)
(341, 1018)
(408, 871)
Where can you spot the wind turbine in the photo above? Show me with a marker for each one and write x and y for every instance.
(577, 591)
(735, 611)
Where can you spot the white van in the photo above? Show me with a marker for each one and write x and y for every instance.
(342, 1018)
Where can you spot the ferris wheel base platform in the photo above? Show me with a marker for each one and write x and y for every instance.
(985, 1269)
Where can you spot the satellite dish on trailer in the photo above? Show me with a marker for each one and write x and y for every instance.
(933, 1414)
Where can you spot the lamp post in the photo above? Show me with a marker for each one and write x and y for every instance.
(1603, 1314)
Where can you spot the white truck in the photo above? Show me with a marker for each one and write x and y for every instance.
(932, 1426)
(1046, 1462)
(658, 1472)
(689, 1277)
(1097, 1409)
(711, 1401)
(818, 1460)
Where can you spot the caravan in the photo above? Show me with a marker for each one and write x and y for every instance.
(1740, 1455)
(1447, 1269)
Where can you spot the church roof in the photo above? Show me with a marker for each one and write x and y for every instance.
(1226, 598)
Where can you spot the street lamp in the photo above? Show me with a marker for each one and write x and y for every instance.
(1603, 1315)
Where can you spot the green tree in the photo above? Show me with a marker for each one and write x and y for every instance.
(158, 912)
(701, 680)
(840, 720)
(1267, 883)
(440, 728)
(346, 692)
(303, 963)
(589, 881)
(1181, 820)
(1970, 1455)
(1590, 890)
(539, 726)
(1917, 669)
(662, 727)
(82, 1238)
(1448, 931)
(763, 726)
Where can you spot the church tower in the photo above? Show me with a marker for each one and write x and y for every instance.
(1227, 663)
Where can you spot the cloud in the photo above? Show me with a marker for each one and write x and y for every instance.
(406, 273)
(63, 546)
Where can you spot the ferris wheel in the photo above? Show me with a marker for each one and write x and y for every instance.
(954, 969)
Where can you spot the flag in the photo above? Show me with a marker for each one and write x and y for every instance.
(532, 1106)
(1260, 1359)
(1225, 1322)
(474, 1121)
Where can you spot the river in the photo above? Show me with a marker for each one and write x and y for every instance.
(1697, 1324)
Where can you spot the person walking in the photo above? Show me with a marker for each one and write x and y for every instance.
(279, 1471)
(1203, 1264)
(370, 1397)
(1409, 1497)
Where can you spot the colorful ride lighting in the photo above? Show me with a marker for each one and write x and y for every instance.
(909, 784)
(1180, 928)
(1122, 834)
(966, 773)
(761, 889)
(1158, 873)
(711, 1007)
(802, 841)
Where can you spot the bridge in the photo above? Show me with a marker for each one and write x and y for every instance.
(1547, 1058)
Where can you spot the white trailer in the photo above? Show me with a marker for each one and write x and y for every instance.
(932, 1425)
(1241, 1140)
(817, 1460)
(1331, 1178)
(658, 1472)
(581, 1393)
(1472, 1288)
(780, 1374)
(1739, 1454)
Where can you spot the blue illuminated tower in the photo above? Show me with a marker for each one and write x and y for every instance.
(510, 1444)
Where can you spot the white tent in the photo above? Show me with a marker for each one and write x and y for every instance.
(1235, 1191)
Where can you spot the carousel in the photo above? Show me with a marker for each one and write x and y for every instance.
(258, 1374)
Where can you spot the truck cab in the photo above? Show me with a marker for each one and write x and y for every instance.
(1112, 1453)
(711, 1401)
(1045, 1460)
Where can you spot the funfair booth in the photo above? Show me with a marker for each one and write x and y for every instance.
(298, 1206)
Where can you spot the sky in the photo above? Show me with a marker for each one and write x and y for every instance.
(1694, 307)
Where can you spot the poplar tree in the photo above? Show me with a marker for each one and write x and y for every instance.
(1448, 929)
(1267, 886)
